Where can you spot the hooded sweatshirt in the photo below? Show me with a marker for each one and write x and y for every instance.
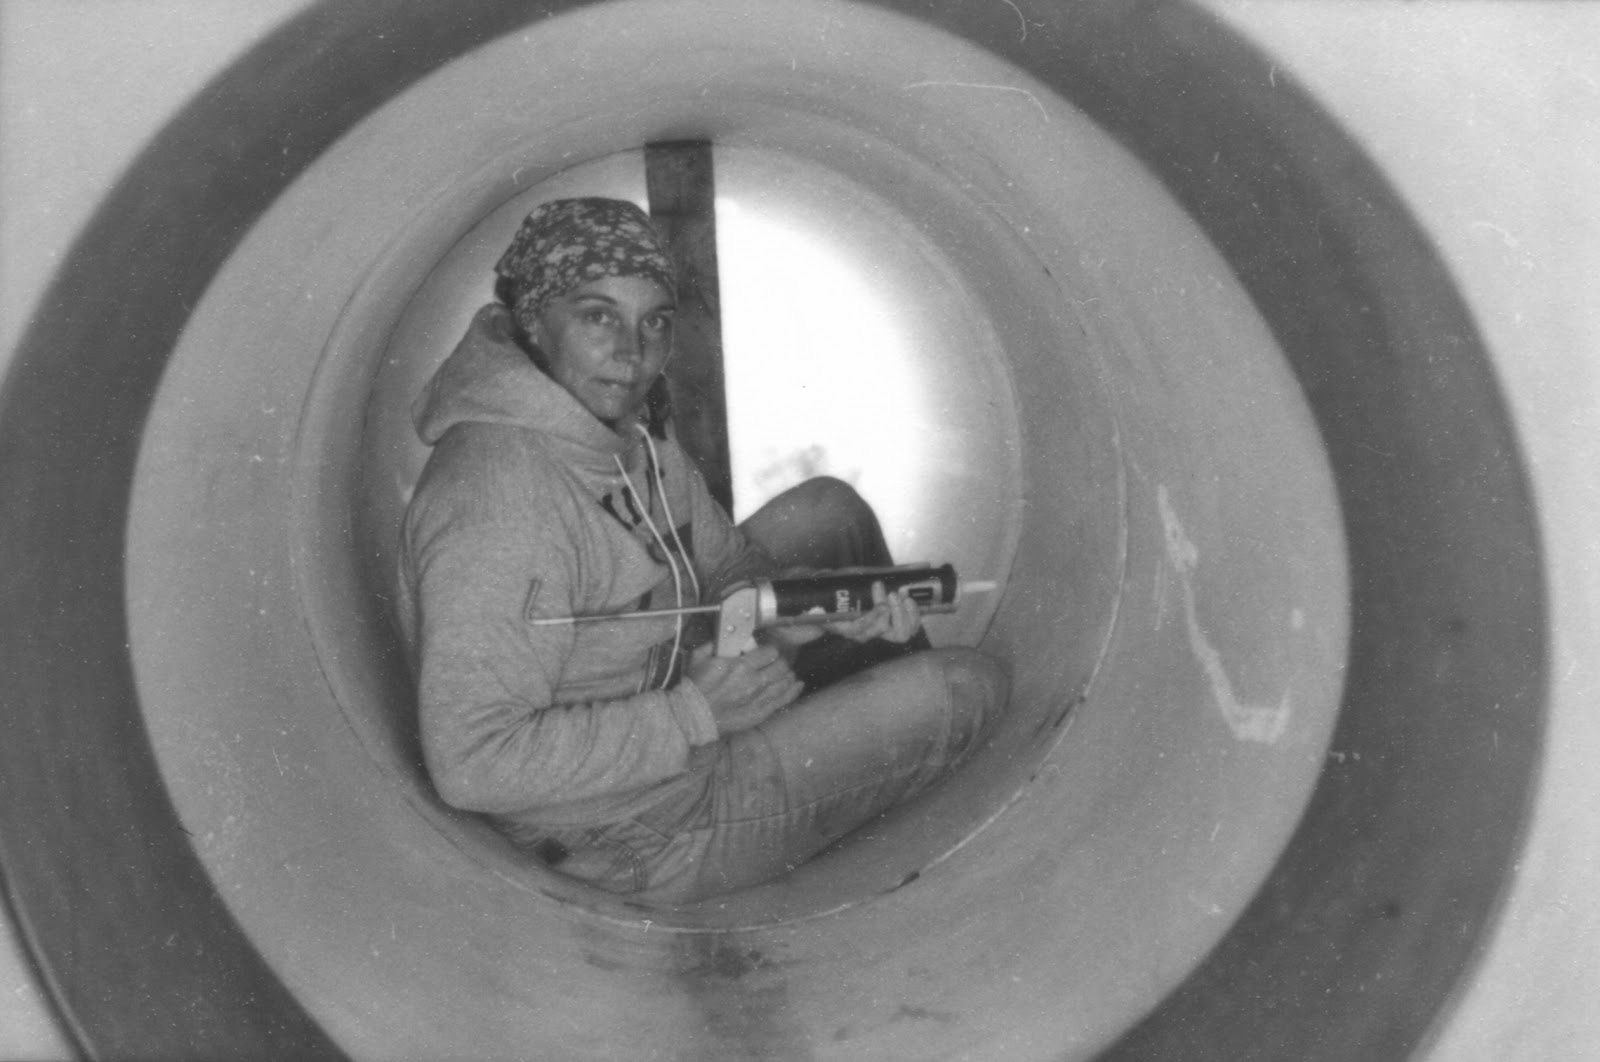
(529, 508)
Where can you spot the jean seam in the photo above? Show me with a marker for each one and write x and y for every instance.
(657, 834)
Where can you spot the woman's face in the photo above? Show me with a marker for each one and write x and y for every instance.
(606, 341)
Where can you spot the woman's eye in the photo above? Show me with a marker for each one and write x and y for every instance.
(658, 323)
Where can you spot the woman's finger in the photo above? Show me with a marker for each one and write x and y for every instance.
(910, 613)
(905, 618)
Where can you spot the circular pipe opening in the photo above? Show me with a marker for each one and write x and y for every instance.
(1223, 580)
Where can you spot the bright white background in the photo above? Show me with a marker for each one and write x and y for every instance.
(1486, 116)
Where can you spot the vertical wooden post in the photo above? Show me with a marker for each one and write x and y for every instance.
(682, 192)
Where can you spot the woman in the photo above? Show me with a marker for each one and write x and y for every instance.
(624, 753)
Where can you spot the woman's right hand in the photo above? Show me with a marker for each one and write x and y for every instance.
(743, 691)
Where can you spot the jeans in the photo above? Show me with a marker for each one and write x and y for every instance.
(760, 802)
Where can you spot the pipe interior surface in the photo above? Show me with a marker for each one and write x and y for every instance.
(1192, 537)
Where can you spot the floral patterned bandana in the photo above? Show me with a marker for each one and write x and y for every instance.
(568, 242)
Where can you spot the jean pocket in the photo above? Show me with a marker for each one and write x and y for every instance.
(600, 855)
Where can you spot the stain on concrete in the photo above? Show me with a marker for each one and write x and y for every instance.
(910, 1013)
(743, 998)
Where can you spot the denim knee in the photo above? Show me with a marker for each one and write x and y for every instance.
(979, 686)
(834, 502)
(841, 518)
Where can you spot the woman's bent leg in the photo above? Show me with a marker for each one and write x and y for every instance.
(781, 793)
(821, 523)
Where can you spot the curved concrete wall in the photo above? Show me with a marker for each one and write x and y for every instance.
(257, 884)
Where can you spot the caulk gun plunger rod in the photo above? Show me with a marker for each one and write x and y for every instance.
(647, 613)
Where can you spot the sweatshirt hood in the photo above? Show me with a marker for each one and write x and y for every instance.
(488, 379)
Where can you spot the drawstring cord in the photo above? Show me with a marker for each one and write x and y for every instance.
(666, 507)
(655, 532)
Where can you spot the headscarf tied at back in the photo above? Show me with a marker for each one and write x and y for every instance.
(568, 242)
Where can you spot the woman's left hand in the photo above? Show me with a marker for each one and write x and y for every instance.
(894, 618)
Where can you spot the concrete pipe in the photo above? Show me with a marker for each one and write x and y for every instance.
(1205, 399)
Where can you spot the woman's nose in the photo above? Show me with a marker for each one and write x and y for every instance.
(628, 345)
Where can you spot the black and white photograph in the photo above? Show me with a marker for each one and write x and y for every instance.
(800, 530)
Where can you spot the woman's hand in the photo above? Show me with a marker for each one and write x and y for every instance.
(743, 691)
(894, 618)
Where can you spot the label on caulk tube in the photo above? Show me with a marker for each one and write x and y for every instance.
(845, 594)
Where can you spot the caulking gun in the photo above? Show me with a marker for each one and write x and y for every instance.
(824, 597)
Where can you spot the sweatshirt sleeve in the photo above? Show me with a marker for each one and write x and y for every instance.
(492, 736)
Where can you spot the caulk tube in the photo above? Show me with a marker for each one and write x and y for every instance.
(842, 595)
